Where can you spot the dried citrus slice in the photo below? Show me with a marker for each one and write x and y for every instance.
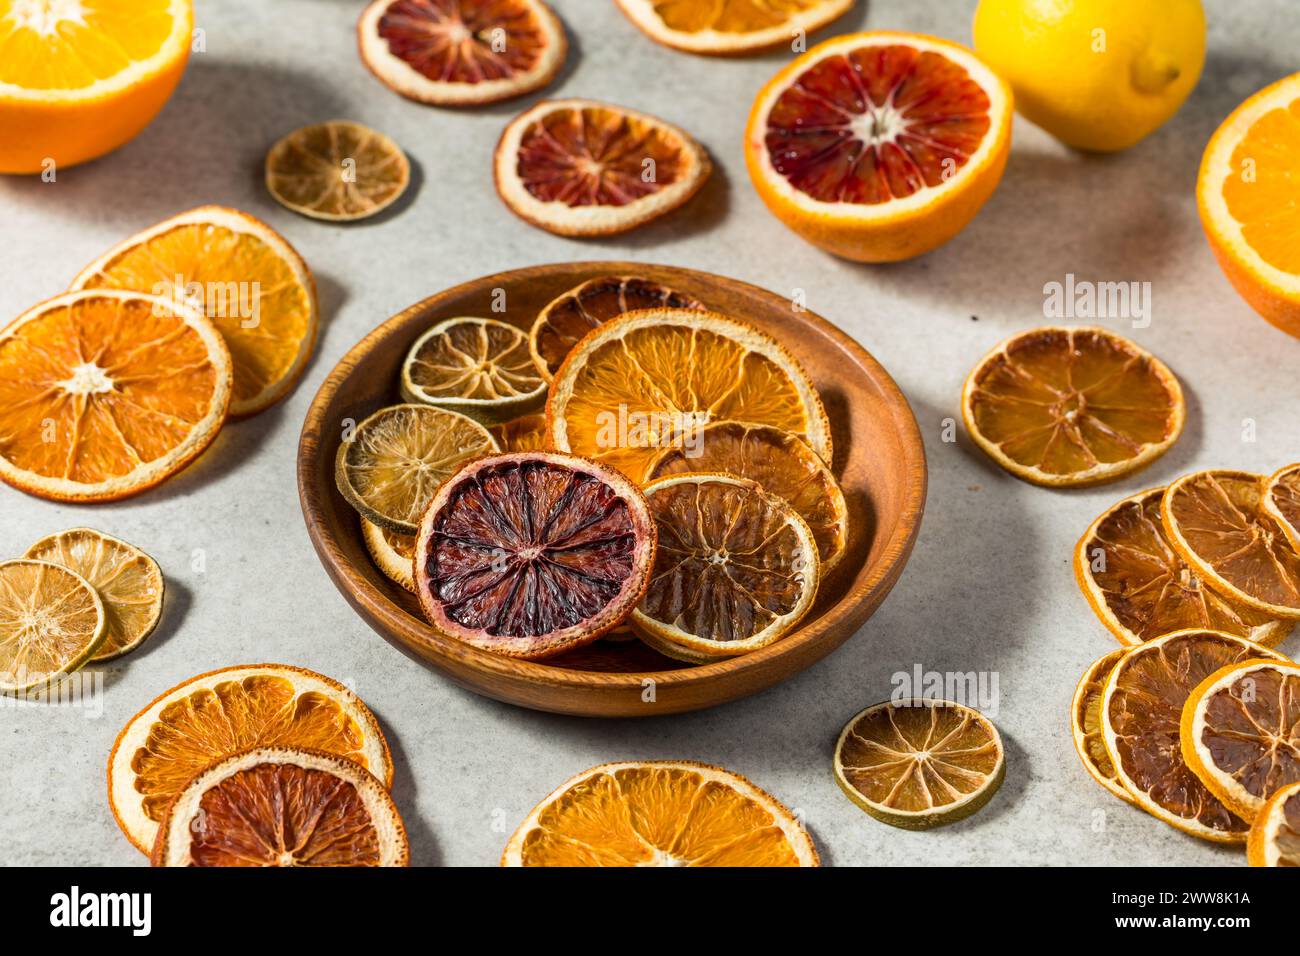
(650, 380)
(461, 52)
(779, 461)
(533, 553)
(1140, 588)
(730, 27)
(392, 552)
(528, 433)
(569, 317)
(282, 806)
(919, 763)
(583, 168)
(1141, 710)
(51, 623)
(337, 171)
(127, 580)
(104, 394)
(1085, 724)
(222, 712)
(879, 146)
(659, 813)
(1282, 502)
(394, 461)
(1275, 836)
(1072, 406)
(478, 367)
(1216, 522)
(243, 275)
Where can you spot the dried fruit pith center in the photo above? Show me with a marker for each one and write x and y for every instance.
(463, 41)
(1252, 730)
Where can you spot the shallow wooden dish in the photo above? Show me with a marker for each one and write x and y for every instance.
(879, 460)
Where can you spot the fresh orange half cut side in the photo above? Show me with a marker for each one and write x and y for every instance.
(879, 146)
(583, 168)
(282, 806)
(1275, 836)
(1085, 724)
(337, 171)
(528, 433)
(659, 813)
(730, 27)
(52, 622)
(1282, 502)
(104, 394)
(1140, 588)
(1217, 523)
(1072, 406)
(222, 712)
(392, 552)
(461, 52)
(243, 275)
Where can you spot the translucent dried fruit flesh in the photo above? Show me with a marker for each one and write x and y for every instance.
(337, 170)
(475, 359)
(528, 433)
(1282, 501)
(1086, 722)
(464, 41)
(1264, 202)
(729, 16)
(50, 622)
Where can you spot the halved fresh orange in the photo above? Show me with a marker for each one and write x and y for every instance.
(583, 168)
(730, 27)
(659, 813)
(1282, 502)
(1140, 588)
(1061, 406)
(222, 712)
(282, 806)
(51, 623)
(1217, 523)
(338, 171)
(879, 146)
(528, 433)
(392, 552)
(1085, 724)
(104, 394)
(1275, 836)
(243, 275)
(461, 52)
(650, 380)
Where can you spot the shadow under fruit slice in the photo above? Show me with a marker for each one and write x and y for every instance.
(1275, 836)
(51, 623)
(534, 553)
(1085, 724)
(659, 813)
(1141, 713)
(337, 171)
(1282, 502)
(282, 806)
(1064, 406)
(223, 712)
(920, 763)
(391, 551)
(730, 27)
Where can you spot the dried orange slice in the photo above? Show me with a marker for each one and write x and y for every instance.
(918, 764)
(461, 52)
(779, 461)
(222, 712)
(127, 580)
(1216, 522)
(1141, 712)
(1275, 836)
(392, 552)
(528, 433)
(105, 394)
(533, 553)
(566, 319)
(730, 27)
(51, 623)
(1140, 588)
(1282, 502)
(648, 381)
(1072, 406)
(478, 367)
(879, 146)
(1085, 724)
(337, 171)
(393, 462)
(583, 168)
(659, 813)
(282, 806)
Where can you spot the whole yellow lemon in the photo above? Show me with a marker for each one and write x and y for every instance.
(1096, 74)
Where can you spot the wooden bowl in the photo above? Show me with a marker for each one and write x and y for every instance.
(879, 460)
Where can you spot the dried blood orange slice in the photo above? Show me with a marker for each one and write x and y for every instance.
(533, 553)
(461, 52)
(528, 433)
(337, 171)
(52, 622)
(1275, 836)
(392, 552)
(1282, 502)
(566, 319)
(730, 27)
(1140, 588)
(879, 146)
(583, 168)
(1085, 724)
(1063, 406)
(282, 806)
(1141, 714)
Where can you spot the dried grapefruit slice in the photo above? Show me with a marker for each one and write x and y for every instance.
(337, 171)
(659, 813)
(1085, 723)
(730, 27)
(282, 806)
(1282, 502)
(1140, 588)
(583, 168)
(51, 623)
(533, 553)
(392, 552)
(461, 52)
(1141, 711)
(528, 433)
(1216, 522)
(1072, 406)
(104, 394)
(223, 712)
(1275, 836)
(918, 764)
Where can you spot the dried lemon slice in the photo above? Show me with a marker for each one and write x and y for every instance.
(1085, 724)
(392, 552)
(51, 623)
(1282, 502)
(337, 171)
(1275, 837)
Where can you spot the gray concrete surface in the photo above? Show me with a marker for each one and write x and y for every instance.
(988, 589)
